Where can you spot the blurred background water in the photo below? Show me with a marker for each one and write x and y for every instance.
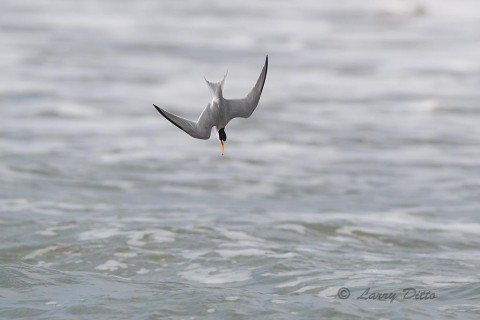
(359, 168)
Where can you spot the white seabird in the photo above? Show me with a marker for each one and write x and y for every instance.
(220, 111)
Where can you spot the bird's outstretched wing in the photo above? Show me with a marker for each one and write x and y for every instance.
(243, 108)
(199, 129)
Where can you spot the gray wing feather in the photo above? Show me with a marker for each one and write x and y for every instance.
(199, 129)
(243, 108)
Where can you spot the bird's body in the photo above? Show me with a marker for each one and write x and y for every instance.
(219, 111)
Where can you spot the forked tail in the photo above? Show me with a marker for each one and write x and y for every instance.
(216, 87)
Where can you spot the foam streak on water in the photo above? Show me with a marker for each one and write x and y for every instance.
(359, 169)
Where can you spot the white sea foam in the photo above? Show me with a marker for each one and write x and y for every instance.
(329, 293)
(460, 307)
(432, 280)
(305, 289)
(251, 252)
(18, 204)
(232, 298)
(404, 9)
(141, 238)
(40, 252)
(111, 265)
(296, 282)
(98, 234)
(292, 227)
(70, 110)
(142, 271)
(239, 236)
(213, 275)
(52, 231)
(125, 254)
(278, 301)
(381, 223)
(194, 254)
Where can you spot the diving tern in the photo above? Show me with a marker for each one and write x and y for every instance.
(220, 111)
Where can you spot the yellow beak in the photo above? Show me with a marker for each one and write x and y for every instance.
(222, 147)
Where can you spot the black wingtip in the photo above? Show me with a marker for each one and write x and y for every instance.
(161, 112)
(266, 70)
(166, 117)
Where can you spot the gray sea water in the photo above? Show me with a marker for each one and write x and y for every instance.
(360, 168)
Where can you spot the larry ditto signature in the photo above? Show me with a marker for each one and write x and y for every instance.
(405, 294)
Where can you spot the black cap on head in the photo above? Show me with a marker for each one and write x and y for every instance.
(222, 135)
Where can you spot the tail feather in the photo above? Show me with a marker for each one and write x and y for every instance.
(216, 87)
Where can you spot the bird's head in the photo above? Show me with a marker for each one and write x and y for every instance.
(222, 137)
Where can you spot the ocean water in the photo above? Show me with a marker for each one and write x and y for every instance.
(354, 185)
